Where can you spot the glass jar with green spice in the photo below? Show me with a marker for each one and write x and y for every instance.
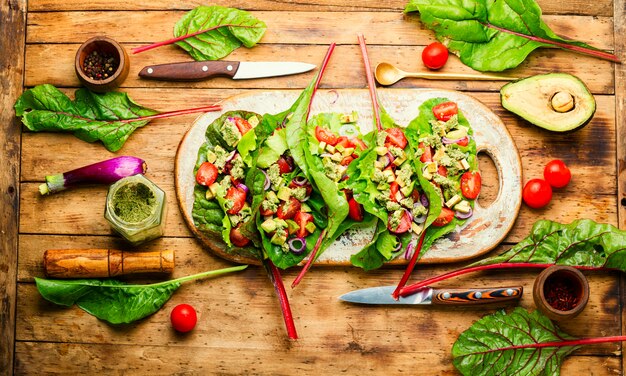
(135, 208)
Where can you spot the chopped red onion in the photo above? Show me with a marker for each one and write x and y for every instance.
(460, 215)
(295, 248)
(397, 248)
(424, 200)
(300, 181)
(409, 251)
(447, 141)
(231, 156)
(420, 219)
(267, 184)
(336, 96)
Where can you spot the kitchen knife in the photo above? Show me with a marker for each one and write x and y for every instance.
(238, 70)
(427, 295)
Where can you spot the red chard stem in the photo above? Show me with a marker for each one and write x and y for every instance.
(277, 281)
(575, 342)
(331, 48)
(173, 113)
(370, 81)
(410, 267)
(309, 262)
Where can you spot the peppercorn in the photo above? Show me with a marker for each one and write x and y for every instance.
(99, 65)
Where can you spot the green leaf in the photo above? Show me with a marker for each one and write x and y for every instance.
(580, 243)
(227, 29)
(115, 301)
(90, 117)
(491, 35)
(484, 349)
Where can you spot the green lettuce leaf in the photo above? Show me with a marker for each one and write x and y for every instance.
(227, 29)
(492, 35)
(484, 348)
(90, 117)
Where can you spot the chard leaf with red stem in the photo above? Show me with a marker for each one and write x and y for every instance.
(490, 35)
(517, 343)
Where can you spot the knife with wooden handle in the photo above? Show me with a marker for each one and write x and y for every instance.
(237, 70)
(452, 297)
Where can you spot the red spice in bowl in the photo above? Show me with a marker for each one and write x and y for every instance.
(561, 292)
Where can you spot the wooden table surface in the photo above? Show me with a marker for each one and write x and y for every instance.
(240, 328)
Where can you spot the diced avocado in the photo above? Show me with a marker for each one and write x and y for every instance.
(310, 227)
(322, 147)
(440, 153)
(348, 118)
(305, 208)
(453, 201)
(457, 133)
(381, 150)
(337, 157)
(284, 193)
(280, 223)
(407, 190)
(280, 237)
(427, 174)
(557, 102)
(463, 207)
(347, 152)
(400, 160)
(253, 121)
(432, 167)
(292, 226)
(268, 225)
(464, 164)
(271, 196)
(417, 229)
(340, 148)
(400, 181)
(330, 148)
(209, 195)
(378, 165)
(210, 156)
(214, 188)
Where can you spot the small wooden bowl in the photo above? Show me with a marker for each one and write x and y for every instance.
(569, 276)
(108, 46)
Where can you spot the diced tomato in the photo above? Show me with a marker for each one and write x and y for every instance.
(355, 210)
(415, 195)
(444, 111)
(396, 137)
(266, 212)
(302, 219)
(243, 125)
(394, 188)
(292, 208)
(238, 198)
(427, 155)
(444, 217)
(347, 160)
(471, 184)
(325, 135)
(348, 194)
(442, 170)
(284, 166)
(359, 143)
(207, 174)
(237, 238)
(403, 226)
(463, 141)
(345, 142)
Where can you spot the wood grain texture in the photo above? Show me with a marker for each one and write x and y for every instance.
(13, 19)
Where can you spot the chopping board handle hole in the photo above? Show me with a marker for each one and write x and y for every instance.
(490, 177)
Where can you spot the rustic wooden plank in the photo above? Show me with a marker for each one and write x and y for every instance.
(345, 69)
(582, 7)
(13, 19)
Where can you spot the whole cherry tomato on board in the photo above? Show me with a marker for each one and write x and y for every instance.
(435, 55)
(537, 193)
(557, 174)
(183, 318)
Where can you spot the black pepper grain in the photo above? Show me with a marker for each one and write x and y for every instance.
(99, 65)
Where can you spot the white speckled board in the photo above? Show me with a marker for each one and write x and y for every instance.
(481, 233)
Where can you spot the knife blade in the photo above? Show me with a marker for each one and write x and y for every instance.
(382, 296)
(237, 70)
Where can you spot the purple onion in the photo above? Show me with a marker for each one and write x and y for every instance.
(391, 158)
(397, 247)
(336, 95)
(460, 215)
(105, 172)
(419, 220)
(409, 251)
(447, 141)
(297, 249)
(245, 189)
(300, 181)
(424, 200)
(267, 183)
(231, 155)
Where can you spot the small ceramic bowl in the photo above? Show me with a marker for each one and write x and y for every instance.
(561, 292)
(107, 46)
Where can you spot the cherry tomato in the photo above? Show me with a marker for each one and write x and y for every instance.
(557, 174)
(345, 142)
(355, 210)
(302, 219)
(183, 318)
(324, 135)
(238, 197)
(394, 188)
(446, 216)
(396, 137)
(415, 195)
(463, 141)
(293, 207)
(427, 155)
(242, 125)
(237, 238)
(444, 111)
(359, 143)
(471, 184)
(435, 55)
(347, 160)
(537, 193)
(207, 174)
(442, 170)
(284, 166)
(403, 226)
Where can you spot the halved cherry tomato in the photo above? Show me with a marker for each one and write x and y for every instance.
(302, 219)
(396, 137)
(284, 166)
(347, 160)
(470, 184)
(355, 210)
(237, 238)
(463, 141)
(345, 142)
(394, 188)
(207, 174)
(403, 226)
(415, 195)
(444, 218)
(267, 212)
(325, 135)
(444, 111)
(238, 197)
(293, 207)
(359, 143)
(243, 125)
(443, 171)
(427, 155)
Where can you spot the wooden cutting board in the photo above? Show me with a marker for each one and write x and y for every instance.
(478, 235)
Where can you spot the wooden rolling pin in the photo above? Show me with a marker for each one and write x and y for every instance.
(102, 263)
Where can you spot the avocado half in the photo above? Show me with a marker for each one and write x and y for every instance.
(557, 102)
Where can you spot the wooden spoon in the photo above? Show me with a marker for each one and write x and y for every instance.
(387, 74)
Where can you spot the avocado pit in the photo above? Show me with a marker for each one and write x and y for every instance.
(562, 101)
